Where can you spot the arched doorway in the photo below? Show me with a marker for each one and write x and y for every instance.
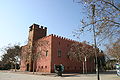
(27, 67)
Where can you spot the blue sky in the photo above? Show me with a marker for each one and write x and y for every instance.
(61, 17)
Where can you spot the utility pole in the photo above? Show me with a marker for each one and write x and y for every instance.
(95, 43)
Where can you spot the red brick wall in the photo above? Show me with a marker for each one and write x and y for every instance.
(59, 43)
(23, 62)
(44, 62)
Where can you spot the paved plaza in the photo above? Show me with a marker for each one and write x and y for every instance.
(25, 76)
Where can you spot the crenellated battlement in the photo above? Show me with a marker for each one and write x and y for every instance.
(60, 37)
(40, 33)
(36, 26)
(36, 32)
(42, 27)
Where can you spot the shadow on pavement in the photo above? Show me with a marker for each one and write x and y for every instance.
(88, 74)
(70, 75)
(109, 72)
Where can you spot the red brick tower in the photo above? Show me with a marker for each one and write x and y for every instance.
(35, 33)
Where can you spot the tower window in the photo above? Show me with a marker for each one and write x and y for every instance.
(68, 67)
(59, 43)
(46, 53)
(45, 66)
(59, 53)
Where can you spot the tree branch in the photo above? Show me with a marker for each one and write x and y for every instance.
(112, 5)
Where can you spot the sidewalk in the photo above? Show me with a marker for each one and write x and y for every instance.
(63, 75)
(26, 72)
(11, 75)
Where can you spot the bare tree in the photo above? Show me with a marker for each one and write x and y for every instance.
(32, 53)
(81, 52)
(114, 49)
(107, 18)
(25, 53)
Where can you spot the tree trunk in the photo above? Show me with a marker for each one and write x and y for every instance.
(83, 68)
(11, 66)
(33, 67)
(15, 66)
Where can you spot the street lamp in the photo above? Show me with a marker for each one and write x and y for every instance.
(95, 43)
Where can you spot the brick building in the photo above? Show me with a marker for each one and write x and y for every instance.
(50, 50)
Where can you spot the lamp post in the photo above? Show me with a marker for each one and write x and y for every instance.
(95, 43)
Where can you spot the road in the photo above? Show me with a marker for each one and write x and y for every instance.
(21, 76)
